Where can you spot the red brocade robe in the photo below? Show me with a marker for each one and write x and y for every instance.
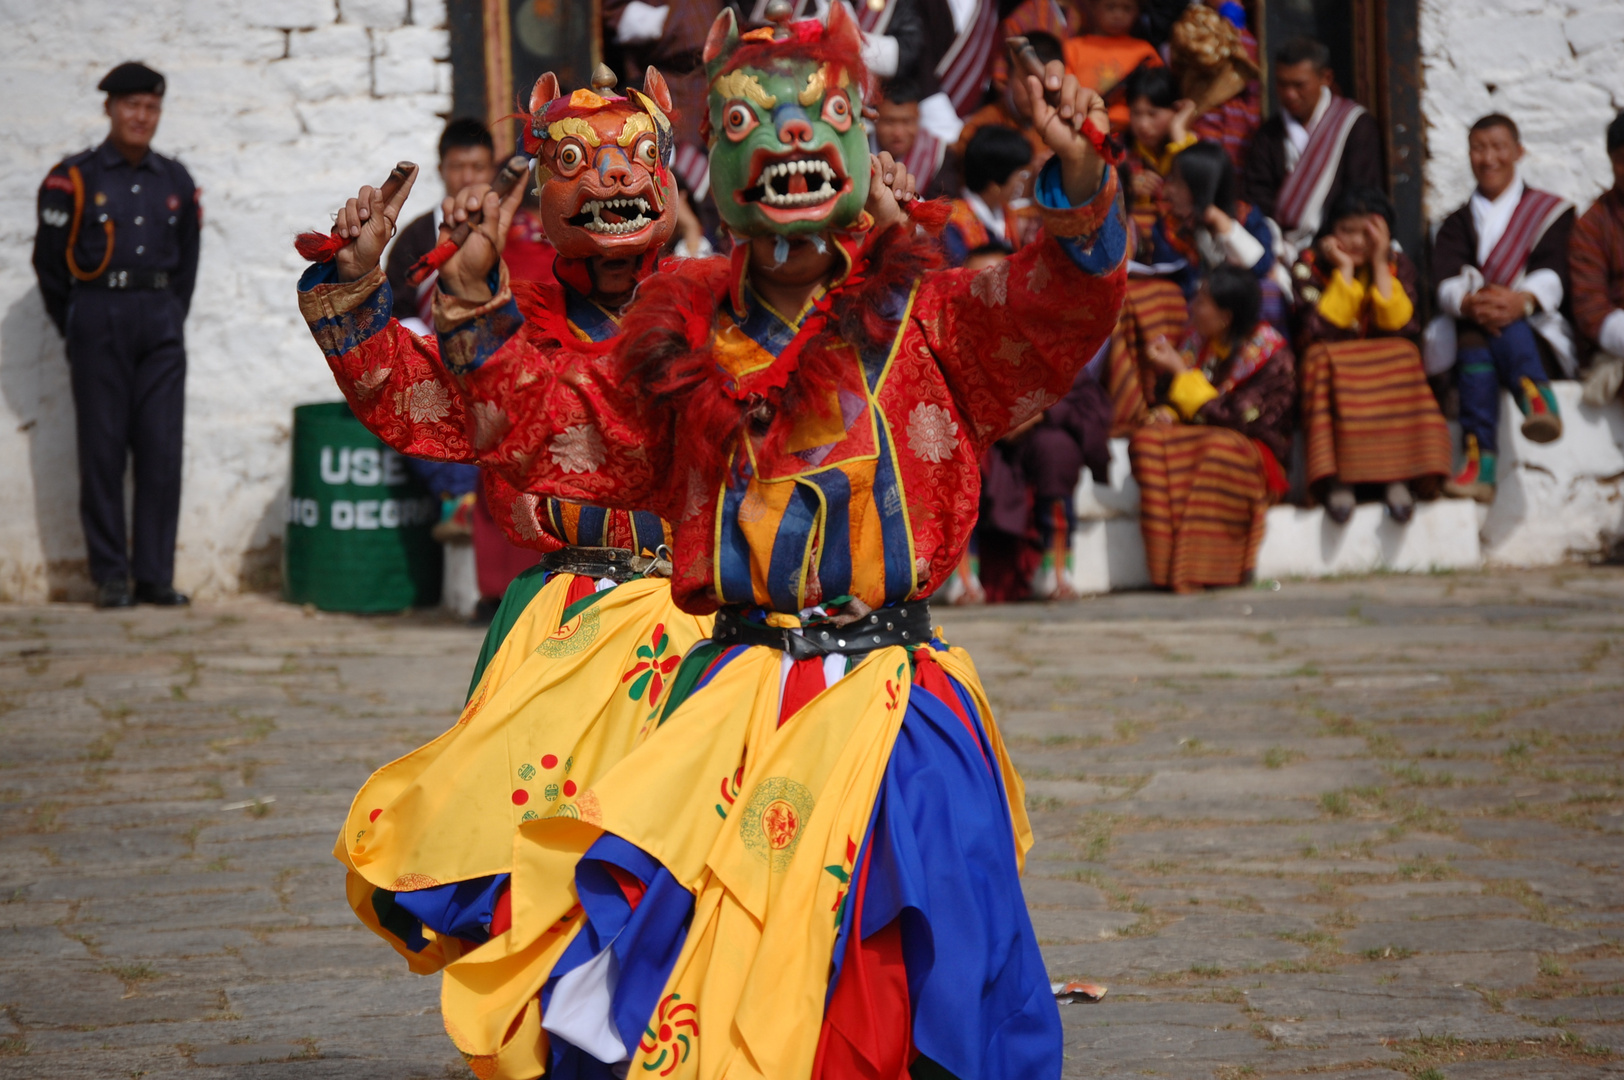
(398, 388)
(869, 486)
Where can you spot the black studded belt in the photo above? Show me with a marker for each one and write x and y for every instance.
(130, 280)
(905, 624)
(616, 564)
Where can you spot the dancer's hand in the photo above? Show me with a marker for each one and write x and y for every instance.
(367, 222)
(889, 187)
(1061, 125)
(490, 216)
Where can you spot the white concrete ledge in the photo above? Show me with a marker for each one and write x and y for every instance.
(1557, 501)
(1300, 543)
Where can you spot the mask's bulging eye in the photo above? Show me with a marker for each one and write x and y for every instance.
(570, 157)
(837, 111)
(647, 152)
(738, 120)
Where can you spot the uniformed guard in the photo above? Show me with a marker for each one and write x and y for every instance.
(116, 255)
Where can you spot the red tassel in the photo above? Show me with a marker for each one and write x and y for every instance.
(929, 214)
(318, 247)
(1107, 145)
(430, 263)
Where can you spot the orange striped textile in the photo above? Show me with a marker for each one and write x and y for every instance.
(1153, 307)
(1368, 413)
(1202, 494)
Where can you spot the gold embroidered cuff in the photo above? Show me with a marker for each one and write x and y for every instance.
(339, 298)
(451, 312)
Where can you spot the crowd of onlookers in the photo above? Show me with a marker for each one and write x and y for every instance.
(1272, 343)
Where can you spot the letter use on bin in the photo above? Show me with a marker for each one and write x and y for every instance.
(357, 521)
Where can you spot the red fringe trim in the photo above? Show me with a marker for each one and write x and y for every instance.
(666, 339)
(318, 247)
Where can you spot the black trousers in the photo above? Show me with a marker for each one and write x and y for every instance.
(127, 354)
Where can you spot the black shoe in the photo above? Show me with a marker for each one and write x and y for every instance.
(114, 594)
(159, 595)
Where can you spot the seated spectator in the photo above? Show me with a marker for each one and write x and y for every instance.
(946, 48)
(897, 132)
(1596, 263)
(1159, 126)
(1217, 69)
(1209, 462)
(1022, 545)
(1369, 415)
(1001, 110)
(668, 35)
(1152, 307)
(1501, 263)
(1108, 53)
(1317, 145)
(1204, 226)
(1028, 488)
(996, 175)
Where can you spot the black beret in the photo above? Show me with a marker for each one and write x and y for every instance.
(132, 78)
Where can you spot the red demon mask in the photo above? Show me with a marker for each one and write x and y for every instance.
(603, 166)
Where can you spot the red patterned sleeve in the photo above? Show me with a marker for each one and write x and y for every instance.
(1010, 338)
(392, 379)
(555, 418)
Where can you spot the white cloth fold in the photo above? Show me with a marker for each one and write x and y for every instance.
(1546, 286)
(881, 53)
(938, 116)
(1237, 247)
(1491, 216)
(992, 218)
(641, 23)
(581, 1009)
(1612, 333)
(1297, 133)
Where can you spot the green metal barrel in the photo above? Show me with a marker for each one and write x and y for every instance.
(357, 521)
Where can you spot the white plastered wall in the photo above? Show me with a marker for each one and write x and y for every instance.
(279, 110)
(1556, 67)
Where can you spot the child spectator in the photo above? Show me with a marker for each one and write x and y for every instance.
(1204, 226)
(1159, 122)
(1370, 417)
(996, 176)
(1209, 463)
(1108, 53)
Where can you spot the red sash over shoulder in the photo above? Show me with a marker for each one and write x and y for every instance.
(1320, 159)
(1536, 211)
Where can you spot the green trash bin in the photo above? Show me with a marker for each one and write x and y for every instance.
(358, 522)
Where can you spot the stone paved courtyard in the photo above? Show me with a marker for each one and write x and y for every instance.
(1361, 828)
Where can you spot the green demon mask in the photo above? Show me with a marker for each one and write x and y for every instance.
(788, 153)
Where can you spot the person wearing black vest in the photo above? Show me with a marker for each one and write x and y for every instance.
(1501, 264)
(116, 257)
(1317, 145)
